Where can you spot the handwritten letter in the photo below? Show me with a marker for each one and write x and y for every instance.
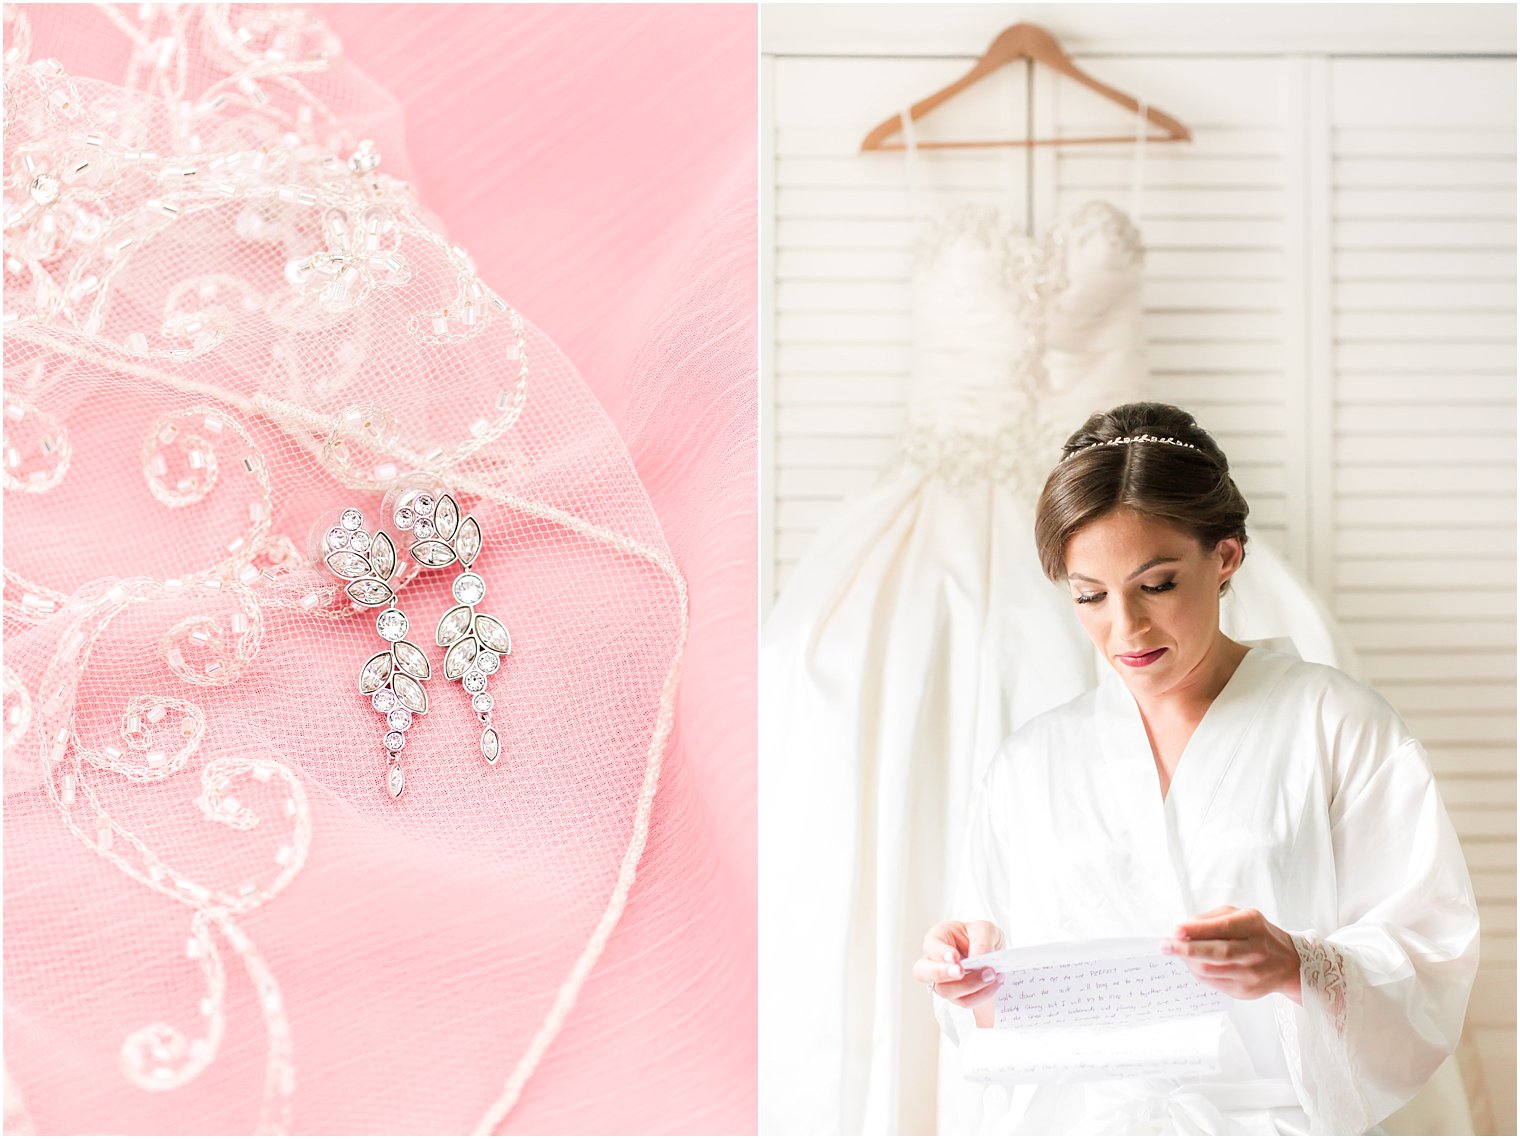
(1096, 1010)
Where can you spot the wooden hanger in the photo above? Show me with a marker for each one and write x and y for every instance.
(1023, 41)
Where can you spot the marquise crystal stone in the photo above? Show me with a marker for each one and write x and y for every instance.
(432, 554)
(410, 693)
(359, 541)
(399, 718)
(337, 538)
(469, 588)
(382, 556)
(487, 661)
(384, 700)
(482, 702)
(459, 658)
(352, 519)
(368, 591)
(413, 661)
(395, 782)
(493, 634)
(446, 517)
(374, 674)
(391, 624)
(467, 541)
(395, 741)
(490, 745)
(474, 681)
(347, 564)
(453, 625)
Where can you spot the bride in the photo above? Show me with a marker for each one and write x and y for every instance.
(1272, 822)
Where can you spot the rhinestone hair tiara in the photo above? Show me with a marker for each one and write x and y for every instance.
(1130, 439)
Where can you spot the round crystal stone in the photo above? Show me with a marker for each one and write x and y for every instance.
(384, 700)
(469, 588)
(474, 681)
(404, 518)
(337, 539)
(423, 504)
(487, 661)
(394, 741)
(44, 189)
(359, 542)
(482, 702)
(352, 519)
(391, 624)
(423, 528)
(400, 719)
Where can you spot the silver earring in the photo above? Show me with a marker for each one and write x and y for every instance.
(474, 642)
(392, 679)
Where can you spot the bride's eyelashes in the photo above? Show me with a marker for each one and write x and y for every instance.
(1090, 598)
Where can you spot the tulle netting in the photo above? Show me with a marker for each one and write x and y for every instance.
(228, 317)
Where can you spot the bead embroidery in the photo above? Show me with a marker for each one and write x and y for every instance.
(1013, 456)
(1032, 273)
(275, 169)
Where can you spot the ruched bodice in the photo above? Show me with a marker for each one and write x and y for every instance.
(1017, 339)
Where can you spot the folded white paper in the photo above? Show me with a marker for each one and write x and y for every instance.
(1094, 1010)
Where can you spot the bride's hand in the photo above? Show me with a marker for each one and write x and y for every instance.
(1238, 952)
(945, 947)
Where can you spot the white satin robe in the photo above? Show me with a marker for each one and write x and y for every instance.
(1301, 794)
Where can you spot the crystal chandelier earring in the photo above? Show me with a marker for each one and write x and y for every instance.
(474, 642)
(393, 678)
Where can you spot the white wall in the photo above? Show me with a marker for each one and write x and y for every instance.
(1330, 288)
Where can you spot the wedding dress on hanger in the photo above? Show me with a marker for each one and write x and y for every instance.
(917, 632)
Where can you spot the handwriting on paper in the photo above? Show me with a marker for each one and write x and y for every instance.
(1095, 1010)
(1121, 990)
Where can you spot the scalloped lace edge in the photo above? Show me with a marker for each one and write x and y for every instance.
(1314, 1037)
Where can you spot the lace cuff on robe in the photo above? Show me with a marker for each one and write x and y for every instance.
(1315, 1037)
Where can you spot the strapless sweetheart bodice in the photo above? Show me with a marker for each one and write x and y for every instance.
(1016, 339)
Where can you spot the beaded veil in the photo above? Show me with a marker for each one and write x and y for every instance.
(226, 313)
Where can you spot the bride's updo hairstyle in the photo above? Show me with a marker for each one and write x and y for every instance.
(1188, 487)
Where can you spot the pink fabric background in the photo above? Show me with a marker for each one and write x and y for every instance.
(641, 122)
(599, 165)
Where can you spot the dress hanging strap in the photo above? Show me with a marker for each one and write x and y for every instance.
(1137, 182)
(910, 150)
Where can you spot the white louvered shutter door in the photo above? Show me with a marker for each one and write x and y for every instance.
(1330, 287)
(1419, 346)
